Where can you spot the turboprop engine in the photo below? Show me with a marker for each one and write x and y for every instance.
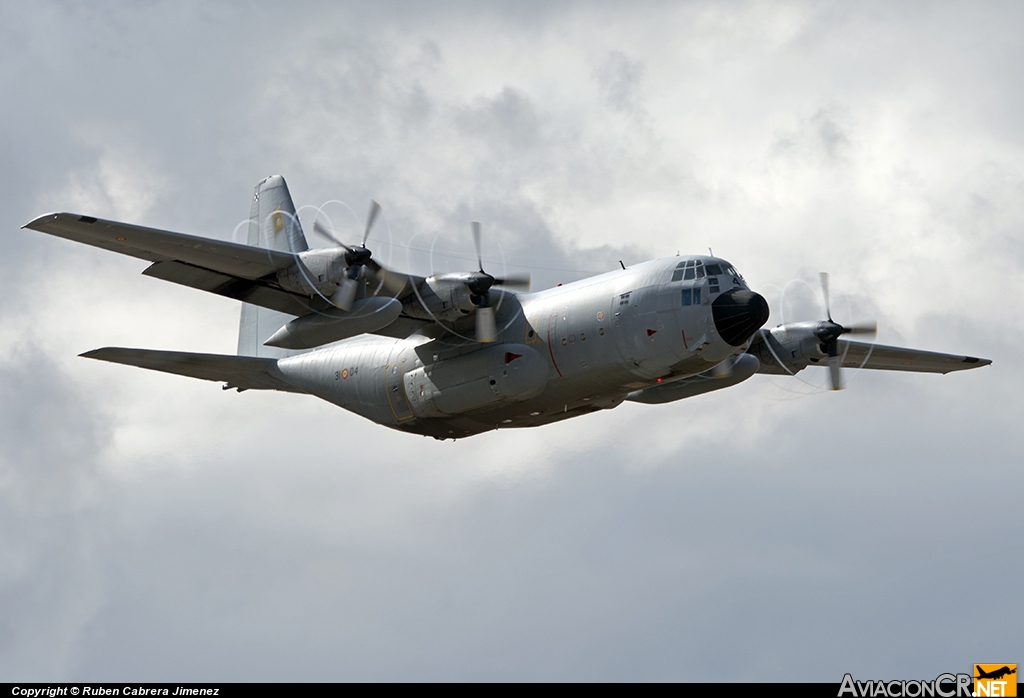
(795, 343)
(789, 347)
(315, 272)
(444, 297)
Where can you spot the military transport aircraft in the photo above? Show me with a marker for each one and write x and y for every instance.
(456, 354)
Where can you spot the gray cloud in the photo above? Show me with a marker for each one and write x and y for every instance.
(156, 528)
(619, 78)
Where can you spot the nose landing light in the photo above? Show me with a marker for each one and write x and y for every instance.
(738, 314)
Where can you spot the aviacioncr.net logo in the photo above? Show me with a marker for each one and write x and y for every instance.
(995, 680)
(943, 686)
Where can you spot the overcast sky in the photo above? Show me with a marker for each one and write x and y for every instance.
(153, 527)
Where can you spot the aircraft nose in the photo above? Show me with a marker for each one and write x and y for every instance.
(738, 314)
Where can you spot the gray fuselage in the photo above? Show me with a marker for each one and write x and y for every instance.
(561, 352)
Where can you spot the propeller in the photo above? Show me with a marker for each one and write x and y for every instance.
(828, 333)
(479, 285)
(356, 258)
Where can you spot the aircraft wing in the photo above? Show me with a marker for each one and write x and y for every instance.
(786, 352)
(225, 268)
(241, 372)
(230, 258)
(879, 356)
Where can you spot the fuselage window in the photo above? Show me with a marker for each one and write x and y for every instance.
(687, 296)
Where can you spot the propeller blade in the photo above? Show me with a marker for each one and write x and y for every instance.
(862, 328)
(476, 242)
(345, 296)
(394, 282)
(835, 367)
(329, 234)
(371, 219)
(514, 281)
(486, 330)
(824, 288)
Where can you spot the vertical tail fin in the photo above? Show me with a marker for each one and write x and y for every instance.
(273, 225)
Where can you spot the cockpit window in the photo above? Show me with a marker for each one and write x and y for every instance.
(694, 269)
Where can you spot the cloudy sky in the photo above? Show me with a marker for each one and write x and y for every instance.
(156, 528)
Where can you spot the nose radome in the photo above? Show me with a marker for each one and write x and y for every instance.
(738, 314)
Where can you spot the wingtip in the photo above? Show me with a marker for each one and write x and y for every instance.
(95, 353)
(36, 223)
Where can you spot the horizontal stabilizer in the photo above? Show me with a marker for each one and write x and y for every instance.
(241, 372)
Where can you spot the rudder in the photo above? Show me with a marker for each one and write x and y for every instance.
(273, 225)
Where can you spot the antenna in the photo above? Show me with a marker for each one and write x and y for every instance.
(712, 254)
(621, 264)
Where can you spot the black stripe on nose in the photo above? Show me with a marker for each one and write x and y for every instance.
(738, 314)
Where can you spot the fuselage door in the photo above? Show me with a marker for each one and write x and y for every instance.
(396, 391)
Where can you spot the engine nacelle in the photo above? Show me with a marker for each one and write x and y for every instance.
(317, 272)
(444, 297)
(794, 345)
(498, 374)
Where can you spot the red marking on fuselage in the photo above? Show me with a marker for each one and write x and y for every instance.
(510, 357)
(650, 332)
(684, 341)
(550, 350)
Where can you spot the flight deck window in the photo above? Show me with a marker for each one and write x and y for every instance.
(689, 273)
(700, 271)
(696, 296)
(714, 269)
(677, 275)
(687, 296)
